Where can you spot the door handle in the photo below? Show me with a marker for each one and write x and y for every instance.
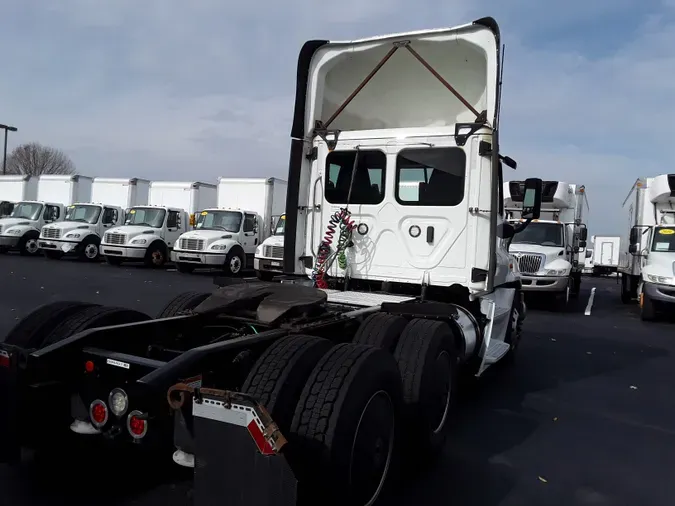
(430, 234)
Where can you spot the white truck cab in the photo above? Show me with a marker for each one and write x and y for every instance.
(548, 250)
(148, 235)
(225, 238)
(269, 256)
(80, 232)
(647, 260)
(21, 230)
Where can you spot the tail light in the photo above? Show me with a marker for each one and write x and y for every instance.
(137, 425)
(98, 412)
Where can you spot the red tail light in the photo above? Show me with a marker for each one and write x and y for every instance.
(137, 426)
(89, 366)
(98, 412)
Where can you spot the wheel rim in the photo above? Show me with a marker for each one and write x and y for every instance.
(157, 257)
(372, 449)
(442, 389)
(91, 251)
(32, 246)
(235, 265)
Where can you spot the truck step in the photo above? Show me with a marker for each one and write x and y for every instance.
(365, 299)
(496, 351)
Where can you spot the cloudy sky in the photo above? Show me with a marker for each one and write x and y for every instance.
(168, 89)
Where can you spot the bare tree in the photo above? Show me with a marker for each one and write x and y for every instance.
(34, 159)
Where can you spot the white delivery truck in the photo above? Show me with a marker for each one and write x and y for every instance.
(85, 222)
(548, 250)
(588, 261)
(605, 254)
(16, 188)
(647, 259)
(269, 256)
(228, 234)
(150, 231)
(21, 230)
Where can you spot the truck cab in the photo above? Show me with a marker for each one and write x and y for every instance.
(548, 251)
(81, 231)
(148, 235)
(21, 229)
(222, 237)
(269, 256)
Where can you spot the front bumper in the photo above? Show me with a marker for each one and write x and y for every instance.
(62, 246)
(133, 252)
(198, 258)
(9, 241)
(661, 293)
(552, 284)
(268, 264)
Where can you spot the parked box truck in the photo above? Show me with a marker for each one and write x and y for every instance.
(605, 254)
(228, 235)
(21, 230)
(122, 192)
(16, 188)
(150, 231)
(647, 258)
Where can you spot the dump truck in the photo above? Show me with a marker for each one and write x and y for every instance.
(647, 259)
(308, 389)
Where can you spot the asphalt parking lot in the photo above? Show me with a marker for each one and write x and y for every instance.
(585, 417)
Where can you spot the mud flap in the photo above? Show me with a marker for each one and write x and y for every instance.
(10, 449)
(498, 312)
(237, 451)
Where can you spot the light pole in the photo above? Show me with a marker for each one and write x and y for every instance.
(6, 128)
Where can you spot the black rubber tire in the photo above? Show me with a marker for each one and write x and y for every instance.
(234, 252)
(93, 317)
(32, 329)
(156, 255)
(88, 241)
(647, 309)
(52, 255)
(265, 275)
(281, 372)
(329, 411)
(28, 236)
(184, 267)
(419, 347)
(381, 330)
(113, 260)
(182, 302)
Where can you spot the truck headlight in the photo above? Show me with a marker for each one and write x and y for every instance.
(664, 280)
(556, 272)
(258, 251)
(139, 241)
(219, 247)
(73, 236)
(14, 232)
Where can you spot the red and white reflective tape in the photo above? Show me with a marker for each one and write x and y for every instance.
(235, 414)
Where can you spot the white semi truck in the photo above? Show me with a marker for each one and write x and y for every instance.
(150, 231)
(269, 256)
(316, 385)
(227, 235)
(606, 250)
(16, 188)
(647, 259)
(21, 230)
(549, 250)
(81, 231)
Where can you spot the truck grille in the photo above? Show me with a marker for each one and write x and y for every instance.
(529, 264)
(115, 238)
(273, 252)
(192, 244)
(51, 233)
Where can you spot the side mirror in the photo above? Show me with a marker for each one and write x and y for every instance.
(634, 236)
(589, 253)
(582, 243)
(634, 249)
(532, 199)
(583, 235)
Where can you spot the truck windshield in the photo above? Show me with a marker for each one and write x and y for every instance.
(281, 226)
(543, 234)
(83, 214)
(229, 221)
(27, 211)
(664, 239)
(144, 216)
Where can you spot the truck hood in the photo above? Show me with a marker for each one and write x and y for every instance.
(660, 264)
(132, 231)
(5, 223)
(554, 256)
(208, 236)
(68, 226)
(274, 240)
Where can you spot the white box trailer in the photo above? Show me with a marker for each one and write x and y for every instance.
(15, 188)
(647, 259)
(264, 196)
(192, 196)
(121, 192)
(63, 189)
(606, 251)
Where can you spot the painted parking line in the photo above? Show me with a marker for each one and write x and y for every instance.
(589, 306)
